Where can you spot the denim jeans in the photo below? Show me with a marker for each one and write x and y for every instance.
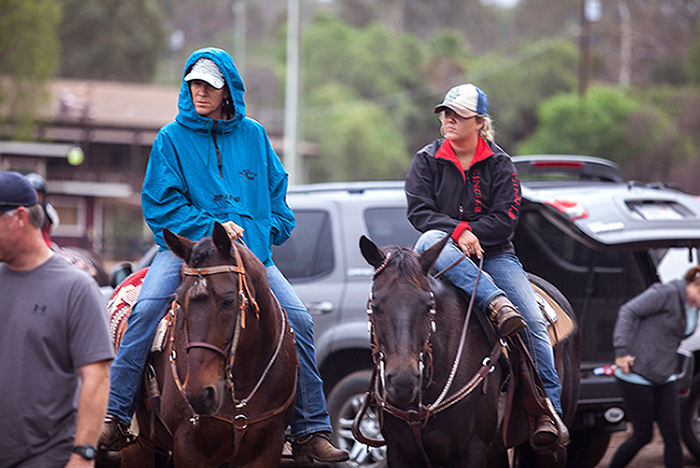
(504, 275)
(157, 292)
(126, 374)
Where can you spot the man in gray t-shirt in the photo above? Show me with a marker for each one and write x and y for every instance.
(55, 349)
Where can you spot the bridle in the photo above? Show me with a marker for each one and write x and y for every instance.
(418, 417)
(240, 421)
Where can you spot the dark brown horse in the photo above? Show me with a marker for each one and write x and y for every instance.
(440, 406)
(222, 392)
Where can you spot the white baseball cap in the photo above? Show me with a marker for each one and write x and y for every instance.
(466, 100)
(206, 70)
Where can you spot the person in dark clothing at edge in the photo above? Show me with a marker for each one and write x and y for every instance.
(215, 164)
(466, 187)
(648, 331)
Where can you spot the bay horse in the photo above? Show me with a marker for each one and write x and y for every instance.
(223, 390)
(442, 406)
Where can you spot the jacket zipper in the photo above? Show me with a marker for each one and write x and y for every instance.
(218, 153)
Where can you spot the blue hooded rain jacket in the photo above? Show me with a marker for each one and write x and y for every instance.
(189, 184)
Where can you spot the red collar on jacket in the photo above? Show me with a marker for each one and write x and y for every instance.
(483, 151)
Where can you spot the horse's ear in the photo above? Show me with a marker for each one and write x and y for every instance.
(371, 252)
(181, 246)
(430, 256)
(221, 239)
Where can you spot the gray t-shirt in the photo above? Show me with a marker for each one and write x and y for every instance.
(52, 321)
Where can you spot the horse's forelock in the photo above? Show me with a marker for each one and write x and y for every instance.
(405, 260)
(201, 251)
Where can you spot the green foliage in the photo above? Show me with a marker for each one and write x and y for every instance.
(359, 142)
(111, 39)
(594, 126)
(357, 86)
(28, 58)
(373, 60)
(547, 68)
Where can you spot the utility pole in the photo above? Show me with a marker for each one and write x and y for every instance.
(590, 13)
(291, 108)
(584, 45)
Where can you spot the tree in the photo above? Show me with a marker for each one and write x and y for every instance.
(359, 143)
(594, 126)
(361, 89)
(635, 133)
(543, 69)
(111, 39)
(28, 59)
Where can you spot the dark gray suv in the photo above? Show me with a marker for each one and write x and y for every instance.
(594, 236)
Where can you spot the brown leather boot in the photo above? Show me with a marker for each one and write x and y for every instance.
(114, 435)
(317, 447)
(506, 316)
(545, 431)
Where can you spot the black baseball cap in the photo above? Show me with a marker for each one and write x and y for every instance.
(15, 191)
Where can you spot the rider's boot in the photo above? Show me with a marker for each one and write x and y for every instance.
(317, 447)
(505, 316)
(114, 435)
(549, 427)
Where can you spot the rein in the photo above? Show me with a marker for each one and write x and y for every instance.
(240, 421)
(417, 418)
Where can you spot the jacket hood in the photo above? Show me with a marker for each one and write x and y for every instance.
(187, 114)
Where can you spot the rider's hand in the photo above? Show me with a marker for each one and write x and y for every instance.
(234, 230)
(469, 243)
(625, 363)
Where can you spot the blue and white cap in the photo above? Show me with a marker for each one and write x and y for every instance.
(206, 70)
(466, 100)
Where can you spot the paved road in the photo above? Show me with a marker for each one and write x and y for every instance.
(651, 456)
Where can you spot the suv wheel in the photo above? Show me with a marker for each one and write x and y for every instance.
(344, 403)
(690, 419)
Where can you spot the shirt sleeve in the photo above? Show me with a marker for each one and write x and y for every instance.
(88, 324)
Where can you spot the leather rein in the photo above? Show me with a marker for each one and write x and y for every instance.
(418, 417)
(241, 420)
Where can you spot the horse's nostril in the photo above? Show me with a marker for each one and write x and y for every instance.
(207, 401)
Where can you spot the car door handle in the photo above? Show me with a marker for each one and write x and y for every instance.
(320, 308)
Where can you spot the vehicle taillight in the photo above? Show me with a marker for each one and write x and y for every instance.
(573, 209)
(558, 164)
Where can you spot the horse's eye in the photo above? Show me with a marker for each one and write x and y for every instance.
(228, 303)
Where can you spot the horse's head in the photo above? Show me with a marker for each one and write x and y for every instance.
(401, 309)
(217, 301)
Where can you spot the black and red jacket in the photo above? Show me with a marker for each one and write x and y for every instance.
(484, 199)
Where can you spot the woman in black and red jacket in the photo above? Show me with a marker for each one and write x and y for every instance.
(466, 187)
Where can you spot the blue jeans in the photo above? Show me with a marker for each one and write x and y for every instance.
(161, 282)
(505, 272)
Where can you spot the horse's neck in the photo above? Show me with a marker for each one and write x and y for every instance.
(445, 341)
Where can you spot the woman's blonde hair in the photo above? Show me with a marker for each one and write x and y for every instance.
(486, 132)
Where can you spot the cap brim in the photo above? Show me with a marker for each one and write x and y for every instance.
(464, 113)
(213, 81)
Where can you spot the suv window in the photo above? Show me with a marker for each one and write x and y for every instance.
(308, 253)
(596, 282)
(390, 226)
